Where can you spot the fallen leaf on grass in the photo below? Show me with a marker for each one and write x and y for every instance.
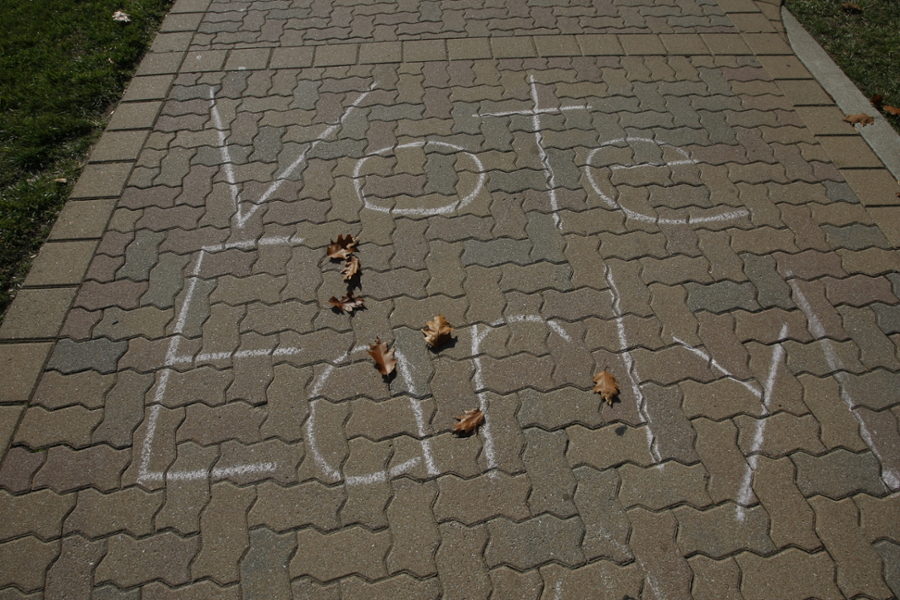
(121, 16)
(351, 268)
(876, 101)
(606, 386)
(343, 247)
(852, 8)
(468, 422)
(893, 110)
(437, 332)
(384, 358)
(860, 118)
(348, 303)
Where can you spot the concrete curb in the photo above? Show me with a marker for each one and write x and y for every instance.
(885, 142)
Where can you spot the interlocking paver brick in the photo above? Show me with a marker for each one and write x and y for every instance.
(71, 573)
(210, 425)
(673, 435)
(98, 466)
(876, 349)
(264, 569)
(509, 583)
(23, 562)
(678, 321)
(163, 556)
(40, 428)
(788, 574)
(775, 365)
(889, 553)
(720, 399)
(612, 581)
(459, 561)
(872, 389)
(823, 356)
(124, 294)
(208, 589)
(351, 550)
(859, 569)
(283, 508)
(280, 460)
(839, 428)
(728, 470)
(97, 515)
(622, 444)
(366, 503)
(415, 532)
(883, 436)
(558, 408)
(654, 546)
(663, 485)
(223, 533)
(552, 482)
(878, 516)
(714, 579)
(784, 435)
(401, 586)
(724, 262)
(721, 296)
(535, 541)
(154, 441)
(723, 530)
(791, 518)
(838, 474)
(606, 524)
(475, 500)
(186, 497)
(39, 513)
(18, 468)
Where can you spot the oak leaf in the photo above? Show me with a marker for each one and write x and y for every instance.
(343, 247)
(468, 422)
(860, 118)
(437, 332)
(892, 110)
(606, 386)
(384, 358)
(348, 303)
(876, 101)
(351, 268)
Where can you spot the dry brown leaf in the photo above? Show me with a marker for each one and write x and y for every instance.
(893, 110)
(343, 247)
(437, 332)
(384, 358)
(606, 386)
(468, 422)
(351, 268)
(860, 118)
(876, 101)
(852, 8)
(348, 303)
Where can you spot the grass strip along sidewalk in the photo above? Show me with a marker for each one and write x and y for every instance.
(863, 38)
(62, 65)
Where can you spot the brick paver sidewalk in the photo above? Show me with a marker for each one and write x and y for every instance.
(659, 189)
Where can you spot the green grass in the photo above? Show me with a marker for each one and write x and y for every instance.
(866, 45)
(63, 63)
